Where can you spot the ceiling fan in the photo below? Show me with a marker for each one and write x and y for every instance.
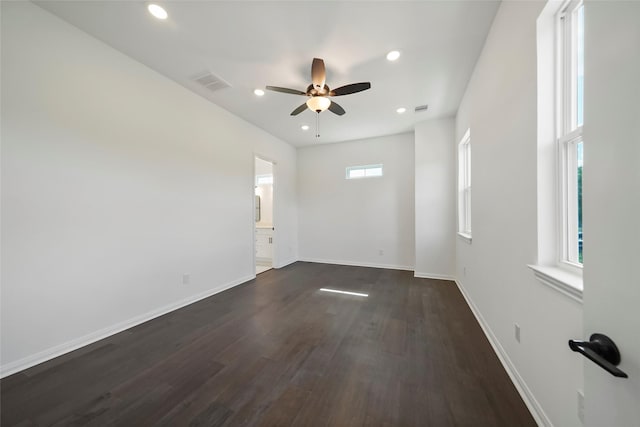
(319, 93)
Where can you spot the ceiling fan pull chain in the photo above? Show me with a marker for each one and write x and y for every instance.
(318, 124)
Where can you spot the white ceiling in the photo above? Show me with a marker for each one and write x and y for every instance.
(254, 44)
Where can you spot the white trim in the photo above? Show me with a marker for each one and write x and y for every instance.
(285, 263)
(358, 264)
(274, 217)
(464, 184)
(69, 346)
(561, 280)
(464, 236)
(433, 276)
(529, 399)
(572, 136)
(568, 131)
(568, 202)
(265, 158)
(254, 260)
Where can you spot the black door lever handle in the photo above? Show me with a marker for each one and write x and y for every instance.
(601, 350)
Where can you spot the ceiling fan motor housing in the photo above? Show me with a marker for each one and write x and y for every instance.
(312, 91)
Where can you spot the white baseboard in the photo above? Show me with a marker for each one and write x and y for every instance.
(358, 264)
(523, 389)
(285, 263)
(59, 350)
(433, 276)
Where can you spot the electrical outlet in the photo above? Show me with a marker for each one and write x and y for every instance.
(581, 406)
(517, 331)
(186, 278)
(380, 252)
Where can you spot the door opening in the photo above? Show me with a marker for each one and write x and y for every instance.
(263, 216)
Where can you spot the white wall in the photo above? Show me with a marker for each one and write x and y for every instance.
(435, 198)
(351, 221)
(115, 182)
(500, 108)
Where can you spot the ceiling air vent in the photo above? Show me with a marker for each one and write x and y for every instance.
(420, 108)
(210, 81)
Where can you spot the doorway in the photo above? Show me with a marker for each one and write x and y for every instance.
(263, 217)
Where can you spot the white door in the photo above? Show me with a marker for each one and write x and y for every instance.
(612, 206)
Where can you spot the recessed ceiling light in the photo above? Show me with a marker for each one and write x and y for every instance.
(393, 55)
(157, 11)
(304, 127)
(401, 110)
(258, 92)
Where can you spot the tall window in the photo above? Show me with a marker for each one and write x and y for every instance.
(570, 120)
(464, 186)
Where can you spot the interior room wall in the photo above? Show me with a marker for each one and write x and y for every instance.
(116, 183)
(369, 221)
(499, 106)
(435, 199)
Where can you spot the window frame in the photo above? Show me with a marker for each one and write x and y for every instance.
(464, 186)
(364, 169)
(568, 133)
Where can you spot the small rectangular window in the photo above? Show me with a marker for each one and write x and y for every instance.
(264, 179)
(367, 171)
(570, 121)
(464, 185)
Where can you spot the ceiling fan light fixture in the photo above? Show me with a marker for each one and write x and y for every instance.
(318, 103)
(258, 92)
(401, 110)
(157, 11)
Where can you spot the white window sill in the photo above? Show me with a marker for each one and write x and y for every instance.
(563, 281)
(466, 237)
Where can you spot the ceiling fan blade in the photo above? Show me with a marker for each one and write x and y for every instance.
(349, 89)
(318, 74)
(299, 110)
(285, 90)
(336, 109)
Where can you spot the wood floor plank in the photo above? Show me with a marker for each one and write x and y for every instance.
(276, 351)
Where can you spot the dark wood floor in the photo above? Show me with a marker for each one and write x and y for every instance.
(277, 352)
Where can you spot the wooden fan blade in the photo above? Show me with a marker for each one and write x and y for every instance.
(299, 110)
(318, 74)
(285, 90)
(349, 89)
(336, 109)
